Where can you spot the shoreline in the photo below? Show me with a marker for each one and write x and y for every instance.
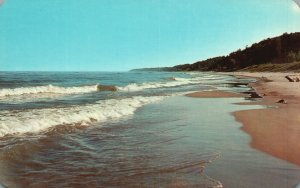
(274, 130)
(215, 94)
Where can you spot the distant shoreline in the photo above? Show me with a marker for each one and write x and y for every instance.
(278, 54)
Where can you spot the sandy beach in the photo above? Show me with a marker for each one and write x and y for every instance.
(274, 130)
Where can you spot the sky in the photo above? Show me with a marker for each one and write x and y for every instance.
(119, 35)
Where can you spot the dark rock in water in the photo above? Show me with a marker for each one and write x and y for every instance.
(252, 95)
(106, 88)
(282, 101)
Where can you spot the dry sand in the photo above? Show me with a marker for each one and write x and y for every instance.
(275, 131)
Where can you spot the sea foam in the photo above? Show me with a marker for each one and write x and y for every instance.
(47, 89)
(152, 85)
(35, 120)
(50, 89)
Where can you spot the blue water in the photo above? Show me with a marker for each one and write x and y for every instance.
(57, 130)
(17, 88)
(30, 81)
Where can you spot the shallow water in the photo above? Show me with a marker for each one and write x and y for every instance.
(150, 137)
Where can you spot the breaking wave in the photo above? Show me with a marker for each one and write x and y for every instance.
(50, 89)
(152, 85)
(47, 89)
(35, 120)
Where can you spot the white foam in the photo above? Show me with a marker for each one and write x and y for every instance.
(152, 85)
(47, 89)
(35, 120)
(207, 76)
(50, 89)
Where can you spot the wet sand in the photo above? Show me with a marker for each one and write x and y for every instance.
(274, 130)
(239, 164)
(215, 94)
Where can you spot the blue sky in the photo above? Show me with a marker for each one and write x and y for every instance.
(118, 35)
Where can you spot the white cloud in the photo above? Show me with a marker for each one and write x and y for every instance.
(1, 2)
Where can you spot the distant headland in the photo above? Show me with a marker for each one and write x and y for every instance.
(276, 54)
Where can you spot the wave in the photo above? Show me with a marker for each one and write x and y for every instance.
(50, 89)
(173, 81)
(47, 89)
(206, 76)
(36, 120)
(152, 85)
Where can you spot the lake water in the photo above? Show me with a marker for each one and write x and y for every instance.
(57, 130)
